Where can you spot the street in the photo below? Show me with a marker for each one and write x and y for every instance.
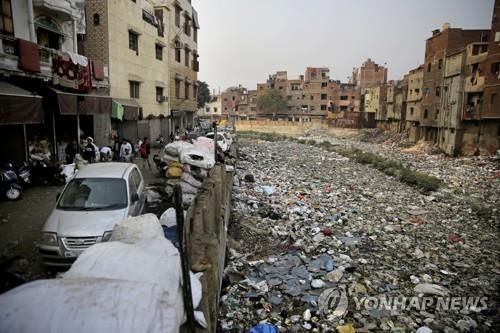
(21, 223)
(308, 223)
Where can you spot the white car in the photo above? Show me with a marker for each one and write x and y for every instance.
(98, 197)
(222, 142)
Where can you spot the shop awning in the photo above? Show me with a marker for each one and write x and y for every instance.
(131, 108)
(18, 106)
(85, 104)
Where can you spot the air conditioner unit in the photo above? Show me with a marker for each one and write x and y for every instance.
(162, 99)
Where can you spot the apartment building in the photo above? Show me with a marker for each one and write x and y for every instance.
(437, 46)
(212, 110)
(467, 125)
(61, 95)
(414, 80)
(183, 49)
(131, 39)
(369, 74)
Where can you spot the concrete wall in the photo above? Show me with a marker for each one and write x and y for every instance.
(291, 128)
(205, 228)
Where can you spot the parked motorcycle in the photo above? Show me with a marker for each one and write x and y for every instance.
(24, 174)
(44, 172)
(9, 183)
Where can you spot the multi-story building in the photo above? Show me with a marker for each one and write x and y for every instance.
(369, 74)
(437, 46)
(233, 102)
(375, 103)
(184, 65)
(414, 80)
(132, 40)
(463, 126)
(212, 110)
(39, 52)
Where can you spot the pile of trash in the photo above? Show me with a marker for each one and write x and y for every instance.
(319, 242)
(188, 164)
(133, 283)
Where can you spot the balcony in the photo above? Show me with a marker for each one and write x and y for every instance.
(58, 7)
(9, 62)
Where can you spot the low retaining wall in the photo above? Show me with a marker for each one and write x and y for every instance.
(292, 128)
(205, 232)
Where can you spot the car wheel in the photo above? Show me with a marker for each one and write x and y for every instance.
(13, 193)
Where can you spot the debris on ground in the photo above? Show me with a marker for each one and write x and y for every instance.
(313, 234)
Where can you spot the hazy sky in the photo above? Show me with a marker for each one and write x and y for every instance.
(242, 41)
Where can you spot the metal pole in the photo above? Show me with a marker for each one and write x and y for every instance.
(186, 286)
(215, 140)
(56, 158)
(26, 146)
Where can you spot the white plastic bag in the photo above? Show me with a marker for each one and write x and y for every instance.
(199, 158)
(188, 178)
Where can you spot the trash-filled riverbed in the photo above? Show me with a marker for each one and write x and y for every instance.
(322, 243)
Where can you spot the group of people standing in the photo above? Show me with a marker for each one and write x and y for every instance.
(119, 151)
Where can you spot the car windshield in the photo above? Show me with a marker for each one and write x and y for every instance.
(94, 194)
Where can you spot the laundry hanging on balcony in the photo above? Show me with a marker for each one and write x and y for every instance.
(72, 71)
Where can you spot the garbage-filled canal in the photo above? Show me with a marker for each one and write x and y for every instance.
(322, 243)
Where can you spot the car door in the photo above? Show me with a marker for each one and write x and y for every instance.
(140, 188)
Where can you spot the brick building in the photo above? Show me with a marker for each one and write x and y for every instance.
(442, 41)
(369, 74)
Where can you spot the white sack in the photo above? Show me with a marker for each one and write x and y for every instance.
(188, 178)
(136, 228)
(198, 158)
(90, 305)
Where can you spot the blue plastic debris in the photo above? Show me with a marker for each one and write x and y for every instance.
(264, 328)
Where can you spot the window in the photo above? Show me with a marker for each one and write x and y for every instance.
(440, 63)
(6, 22)
(195, 92)
(436, 114)
(178, 55)
(178, 16)
(495, 69)
(429, 67)
(233, 98)
(186, 90)
(186, 58)
(312, 97)
(426, 113)
(497, 36)
(133, 41)
(417, 91)
(289, 97)
(97, 19)
(324, 84)
(344, 98)
(134, 89)
(159, 93)
(438, 91)
(494, 98)
(195, 35)
(159, 51)
(411, 91)
(215, 110)
(324, 96)
(47, 38)
(177, 89)
(323, 107)
(411, 111)
(187, 25)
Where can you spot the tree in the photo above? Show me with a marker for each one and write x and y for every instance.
(203, 94)
(271, 102)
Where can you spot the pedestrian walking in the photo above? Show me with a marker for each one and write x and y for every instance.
(126, 151)
(70, 151)
(145, 151)
(89, 152)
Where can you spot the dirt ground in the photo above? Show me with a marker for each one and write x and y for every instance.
(21, 223)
